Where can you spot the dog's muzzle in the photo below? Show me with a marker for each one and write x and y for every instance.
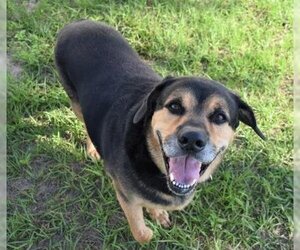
(184, 171)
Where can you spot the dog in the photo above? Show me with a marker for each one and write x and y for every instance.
(158, 137)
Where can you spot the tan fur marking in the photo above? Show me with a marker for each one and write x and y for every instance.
(215, 101)
(188, 99)
(167, 123)
(90, 148)
(220, 135)
(135, 217)
(77, 110)
(160, 216)
(211, 169)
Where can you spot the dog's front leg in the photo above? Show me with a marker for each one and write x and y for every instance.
(135, 217)
(160, 216)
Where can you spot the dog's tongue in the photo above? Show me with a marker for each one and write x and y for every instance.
(184, 169)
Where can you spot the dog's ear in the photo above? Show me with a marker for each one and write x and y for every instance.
(246, 115)
(148, 103)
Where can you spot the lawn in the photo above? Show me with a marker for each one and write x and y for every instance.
(60, 199)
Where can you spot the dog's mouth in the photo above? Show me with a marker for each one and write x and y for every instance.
(183, 172)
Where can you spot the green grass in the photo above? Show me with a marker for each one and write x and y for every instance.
(59, 199)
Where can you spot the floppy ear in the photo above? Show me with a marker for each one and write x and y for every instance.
(149, 101)
(246, 115)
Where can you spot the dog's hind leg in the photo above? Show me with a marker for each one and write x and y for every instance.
(135, 217)
(90, 147)
(71, 91)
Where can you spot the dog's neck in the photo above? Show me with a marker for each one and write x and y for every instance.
(137, 147)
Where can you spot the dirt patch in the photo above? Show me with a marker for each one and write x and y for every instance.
(39, 164)
(204, 63)
(31, 5)
(44, 244)
(76, 167)
(91, 239)
(14, 68)
(286, 86)
(45, 190)
(16, 187)
(281, 240)
(116, 220)
(282, 235)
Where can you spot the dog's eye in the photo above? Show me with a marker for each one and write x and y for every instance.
(175, 108)
(218, 118)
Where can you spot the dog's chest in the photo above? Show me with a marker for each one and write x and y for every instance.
(174, 202)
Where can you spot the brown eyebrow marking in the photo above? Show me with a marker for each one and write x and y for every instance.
(188, 100)
(214, 103)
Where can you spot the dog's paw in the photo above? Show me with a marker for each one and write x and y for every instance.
(92, 151)
(161, 216)
(143, 235)
(93, 154)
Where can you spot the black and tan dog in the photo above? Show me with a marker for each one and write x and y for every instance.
(158, 137)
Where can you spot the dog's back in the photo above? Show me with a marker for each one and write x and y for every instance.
(98, 70)
(94, 54)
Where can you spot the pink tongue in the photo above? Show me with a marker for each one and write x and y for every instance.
(185, 169)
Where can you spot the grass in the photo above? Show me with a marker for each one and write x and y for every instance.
(59, 199)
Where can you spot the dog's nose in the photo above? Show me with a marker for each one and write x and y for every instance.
(193, 141)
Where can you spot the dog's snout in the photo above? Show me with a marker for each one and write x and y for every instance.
(193, 141)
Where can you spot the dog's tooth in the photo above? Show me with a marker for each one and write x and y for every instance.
(174, 183)
(171, 176)
(194, 181)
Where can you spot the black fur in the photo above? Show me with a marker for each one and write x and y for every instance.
(118, 94)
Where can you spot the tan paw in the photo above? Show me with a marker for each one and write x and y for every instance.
(93, 154)
(143, 235)
(91, 150)
(160, 216)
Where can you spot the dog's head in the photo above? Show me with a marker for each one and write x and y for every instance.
(191, 122)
